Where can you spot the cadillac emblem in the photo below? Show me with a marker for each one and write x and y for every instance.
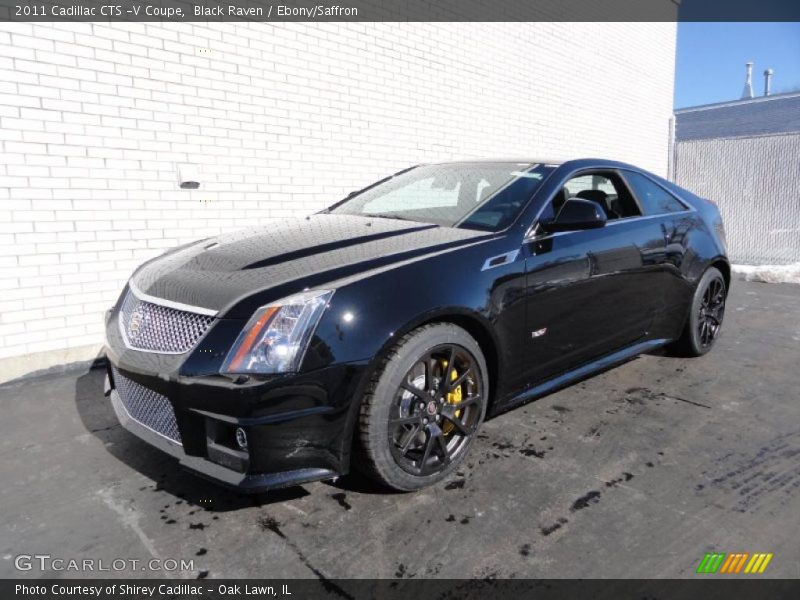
(135, 323)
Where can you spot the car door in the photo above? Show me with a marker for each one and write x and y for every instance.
(590, 292)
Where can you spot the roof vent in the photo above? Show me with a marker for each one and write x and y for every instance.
(767, 81)
(748, 82)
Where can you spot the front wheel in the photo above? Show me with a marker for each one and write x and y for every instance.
(705, 315)
(423, 407)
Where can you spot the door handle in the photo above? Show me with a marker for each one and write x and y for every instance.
(593, 266)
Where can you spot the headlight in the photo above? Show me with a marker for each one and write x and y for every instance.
(275, 338)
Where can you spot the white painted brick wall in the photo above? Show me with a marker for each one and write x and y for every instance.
(281, 120)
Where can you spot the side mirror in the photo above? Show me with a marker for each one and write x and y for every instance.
(577, 214)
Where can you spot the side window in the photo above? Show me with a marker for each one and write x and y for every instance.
(654, 199)
(591, 182)
(606, 189)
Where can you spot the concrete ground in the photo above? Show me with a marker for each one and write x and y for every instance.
(633, 473)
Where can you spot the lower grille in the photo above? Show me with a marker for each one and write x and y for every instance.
(147, 407)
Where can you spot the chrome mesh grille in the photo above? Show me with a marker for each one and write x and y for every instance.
(156, 328)
(146, 406)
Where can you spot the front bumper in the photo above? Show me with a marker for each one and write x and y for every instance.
(284, 448)
(298, 427)
(208, 468)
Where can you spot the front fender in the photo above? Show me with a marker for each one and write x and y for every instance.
(366, 317)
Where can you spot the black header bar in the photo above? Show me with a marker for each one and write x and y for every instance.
(708, 587)
(399, 10)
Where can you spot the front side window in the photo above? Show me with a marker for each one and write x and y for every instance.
(654, 199)
(486, 196)
(605, 189)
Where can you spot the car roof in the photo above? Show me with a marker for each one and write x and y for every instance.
(526, 161)
(577, 163)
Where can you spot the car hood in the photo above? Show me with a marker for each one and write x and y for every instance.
(288, 256)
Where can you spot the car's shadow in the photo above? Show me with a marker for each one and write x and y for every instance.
(666, 352)
(164, 472)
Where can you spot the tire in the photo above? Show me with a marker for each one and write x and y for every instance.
(414, 428)
(706, 313)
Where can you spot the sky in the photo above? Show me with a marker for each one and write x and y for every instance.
(711, 58)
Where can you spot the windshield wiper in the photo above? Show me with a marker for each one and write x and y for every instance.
(390, 216)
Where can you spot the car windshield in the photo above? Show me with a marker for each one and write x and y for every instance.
(486, 196)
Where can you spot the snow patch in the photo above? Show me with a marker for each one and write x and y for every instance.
(770, 273)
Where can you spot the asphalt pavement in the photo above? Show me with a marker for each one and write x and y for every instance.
(637, 472)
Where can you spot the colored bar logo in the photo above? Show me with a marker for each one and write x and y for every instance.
(739, 562)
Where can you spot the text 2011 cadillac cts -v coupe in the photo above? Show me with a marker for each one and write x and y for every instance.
(380, 332)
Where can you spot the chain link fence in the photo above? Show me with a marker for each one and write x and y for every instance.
(756, 183)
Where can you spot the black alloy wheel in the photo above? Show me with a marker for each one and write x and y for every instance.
(423, 407)
(711, 312)
(705, 315)
(436, 409)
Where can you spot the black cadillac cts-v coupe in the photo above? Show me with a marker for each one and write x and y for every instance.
(379, 333)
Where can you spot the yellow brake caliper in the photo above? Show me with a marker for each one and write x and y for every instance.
(453, 397)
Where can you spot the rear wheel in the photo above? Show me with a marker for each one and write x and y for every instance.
(423, 407)
(705, 315)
